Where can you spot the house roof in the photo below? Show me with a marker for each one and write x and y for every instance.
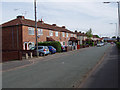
(50, 39)
(73, 39)
(20, 20)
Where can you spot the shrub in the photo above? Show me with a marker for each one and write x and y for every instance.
(55, 44)
(92, 43)
(118, 44)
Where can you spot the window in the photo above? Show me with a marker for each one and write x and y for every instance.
(40, 31)
(74, 35)
(66, 34)
(30, 31)
(71, 35)
(63, 34)
(51, 33)
(56, 34)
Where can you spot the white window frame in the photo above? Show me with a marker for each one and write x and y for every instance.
(63, 34)
(40, 31)
(56, 33)
(74, 35)
(31, 31)
(71, 35)
(51, 33)
(66, 34)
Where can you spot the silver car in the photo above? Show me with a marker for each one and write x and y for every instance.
(43, 50)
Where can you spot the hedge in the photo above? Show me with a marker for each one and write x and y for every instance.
(55, 44)
(118, 44)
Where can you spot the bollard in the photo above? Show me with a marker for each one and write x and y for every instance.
(26, 56)
(31, 55)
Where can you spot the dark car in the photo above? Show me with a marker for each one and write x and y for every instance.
(52, 49)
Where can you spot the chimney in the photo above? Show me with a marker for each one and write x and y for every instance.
(41, 21)
(63, 26)
(53, 24)
(75, 31)
(21, 17)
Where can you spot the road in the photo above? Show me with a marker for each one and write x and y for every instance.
(65, 70)
(106, 75)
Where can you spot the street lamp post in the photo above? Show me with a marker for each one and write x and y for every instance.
(36, 29)
(118, 15)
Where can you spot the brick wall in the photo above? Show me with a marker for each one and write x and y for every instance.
(31, 38)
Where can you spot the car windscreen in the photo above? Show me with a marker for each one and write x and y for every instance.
(40, 47)
(46, 47)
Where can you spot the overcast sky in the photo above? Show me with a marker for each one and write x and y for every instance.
(78, 15)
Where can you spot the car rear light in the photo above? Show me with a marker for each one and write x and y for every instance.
(51, 49)
(44, 50)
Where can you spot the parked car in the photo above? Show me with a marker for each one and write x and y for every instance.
(63, 48)
(43, 50)
(100, 44)
(52, 49)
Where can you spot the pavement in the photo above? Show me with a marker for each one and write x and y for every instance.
(15, 64)
(106, 74)
(64, 70)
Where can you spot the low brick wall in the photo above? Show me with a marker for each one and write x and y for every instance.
(11, 55)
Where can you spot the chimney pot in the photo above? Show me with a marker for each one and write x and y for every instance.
(75, 31)
(54, 24)
(21, 17)
(40, 21)
(63, 26)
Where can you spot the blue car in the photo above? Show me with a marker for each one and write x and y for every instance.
(52, 49)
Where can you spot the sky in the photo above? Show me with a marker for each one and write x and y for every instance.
(80, 15)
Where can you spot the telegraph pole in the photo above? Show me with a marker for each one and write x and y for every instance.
(36, 29)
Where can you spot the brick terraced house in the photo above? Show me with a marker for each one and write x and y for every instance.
(19, 34)
(82, 37)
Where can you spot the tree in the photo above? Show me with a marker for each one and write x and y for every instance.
(89, 33)
(114, 37)
(97, 36)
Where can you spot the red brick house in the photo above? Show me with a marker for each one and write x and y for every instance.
(82, 37)
(19, 34)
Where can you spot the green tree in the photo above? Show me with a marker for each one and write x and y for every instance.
(97, 36)
(114, 37)
(89, 33)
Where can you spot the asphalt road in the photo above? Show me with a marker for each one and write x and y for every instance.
(106, 75)
(58, 71)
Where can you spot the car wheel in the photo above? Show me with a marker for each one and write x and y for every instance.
(41, 54)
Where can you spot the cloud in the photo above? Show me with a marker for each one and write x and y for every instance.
(57, 0)
(74, 14)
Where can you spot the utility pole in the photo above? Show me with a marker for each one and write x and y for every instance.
(36, 29)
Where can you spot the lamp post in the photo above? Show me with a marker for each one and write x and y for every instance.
(36, 29)
(116, 28)
(118, 3)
